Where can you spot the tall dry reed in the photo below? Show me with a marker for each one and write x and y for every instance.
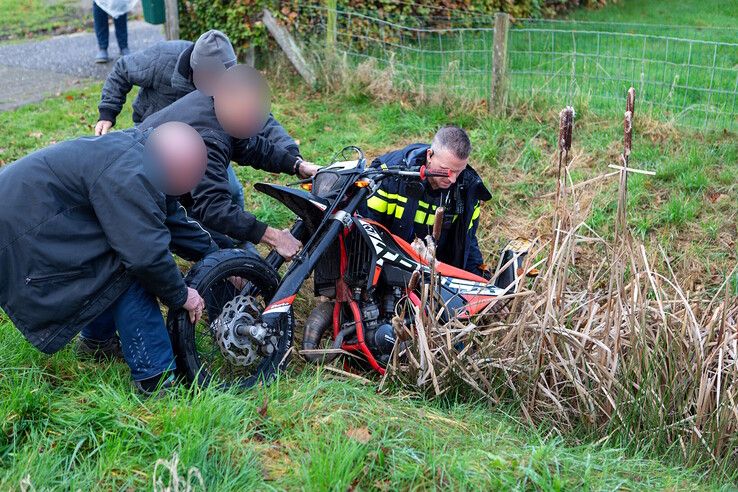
(615, 347)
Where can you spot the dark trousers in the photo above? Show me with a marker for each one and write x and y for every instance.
(236, 188)
(137, 318)
(100, 18)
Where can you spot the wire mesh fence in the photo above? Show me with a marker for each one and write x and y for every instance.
(690, 81)
(689, 77)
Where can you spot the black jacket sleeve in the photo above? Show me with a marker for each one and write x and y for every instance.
(130, 212)
(189, 239)
(474, 260)
(212, 204)
(260, 153)
(138, 68)
(275, 133)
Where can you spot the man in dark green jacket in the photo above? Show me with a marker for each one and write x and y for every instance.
(226, 122)
(168, 71)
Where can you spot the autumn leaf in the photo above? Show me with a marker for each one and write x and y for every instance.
(262, 410)
(360, 434)
(713, 196)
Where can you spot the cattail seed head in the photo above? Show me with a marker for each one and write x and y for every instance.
(566, 122)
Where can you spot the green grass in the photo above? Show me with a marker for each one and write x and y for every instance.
(23, 18)
(689, 83)
(67, 424)
(714, 18)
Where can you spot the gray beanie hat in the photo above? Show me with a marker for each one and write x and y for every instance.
(213, 50)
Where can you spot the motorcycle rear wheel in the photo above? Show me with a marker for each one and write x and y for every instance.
(197, 352)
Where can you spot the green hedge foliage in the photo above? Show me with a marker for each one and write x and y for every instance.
(240, 19)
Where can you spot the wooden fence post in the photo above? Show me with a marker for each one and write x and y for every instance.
(171, 26)
(330, 31)
(250, 57)
(290, 48)
(498, 90)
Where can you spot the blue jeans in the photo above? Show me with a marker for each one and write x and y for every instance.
(236, 188)
(100, 18)
(136, 317)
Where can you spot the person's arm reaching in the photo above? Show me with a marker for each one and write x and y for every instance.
(260, 153)
(135, 69)
(213, 207)
(212, 204)
(125, 204)
(274, 132)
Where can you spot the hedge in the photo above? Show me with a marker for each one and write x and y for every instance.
(240, 19)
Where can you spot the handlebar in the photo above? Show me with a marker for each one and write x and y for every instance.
(446, 173)
(422, 173)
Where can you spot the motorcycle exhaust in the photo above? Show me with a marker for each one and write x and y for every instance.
(317, 322)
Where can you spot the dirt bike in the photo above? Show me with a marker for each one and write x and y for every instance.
(246, 333)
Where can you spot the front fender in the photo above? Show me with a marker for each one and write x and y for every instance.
(307, 206)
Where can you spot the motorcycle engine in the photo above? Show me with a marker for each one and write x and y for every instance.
(378, 332)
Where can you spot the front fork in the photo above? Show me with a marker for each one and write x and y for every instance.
(280, 306)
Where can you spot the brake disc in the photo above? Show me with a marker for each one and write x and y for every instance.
(240, 336)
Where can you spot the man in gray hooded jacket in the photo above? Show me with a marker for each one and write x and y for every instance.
(168, 71)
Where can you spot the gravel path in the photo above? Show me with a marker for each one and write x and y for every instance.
(33, 70)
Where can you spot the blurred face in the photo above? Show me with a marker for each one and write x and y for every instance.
(175, 158)
(444, 160)
(205, 80)
(241, 111)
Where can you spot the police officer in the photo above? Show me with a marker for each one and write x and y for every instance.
(409, 212)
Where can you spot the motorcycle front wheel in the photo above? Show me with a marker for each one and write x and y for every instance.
(199, 351)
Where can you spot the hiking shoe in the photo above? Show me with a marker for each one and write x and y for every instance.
(100, 350)
(156, 386)
(102, 56)
(125, 51)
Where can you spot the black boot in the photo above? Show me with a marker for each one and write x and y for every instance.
(100, 350)
(156, 386)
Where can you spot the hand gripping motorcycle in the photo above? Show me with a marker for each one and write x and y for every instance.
(367, 273)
